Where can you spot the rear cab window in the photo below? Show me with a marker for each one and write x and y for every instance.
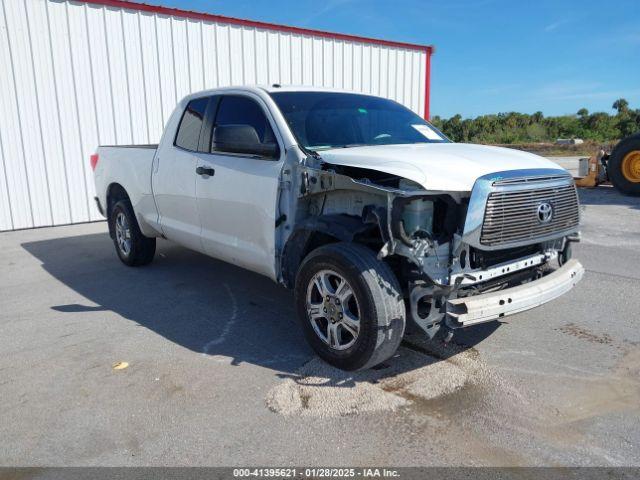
(188, 135)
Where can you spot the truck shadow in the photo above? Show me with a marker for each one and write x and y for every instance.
(194, 301)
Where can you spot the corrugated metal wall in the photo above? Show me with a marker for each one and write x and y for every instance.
(76, 75)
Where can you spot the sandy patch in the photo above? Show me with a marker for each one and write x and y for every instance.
(418, 372)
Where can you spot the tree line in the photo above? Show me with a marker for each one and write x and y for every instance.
(513, 127)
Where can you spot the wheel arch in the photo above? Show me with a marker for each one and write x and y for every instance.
(115, 193)
(315, 232)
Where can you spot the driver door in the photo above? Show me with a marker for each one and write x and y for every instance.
(237, 190)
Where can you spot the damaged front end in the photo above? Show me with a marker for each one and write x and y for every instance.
(446, 248)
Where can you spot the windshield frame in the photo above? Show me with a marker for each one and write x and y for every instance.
(319, 148)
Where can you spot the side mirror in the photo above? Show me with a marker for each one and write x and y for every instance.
(269, 150)
(242, 139)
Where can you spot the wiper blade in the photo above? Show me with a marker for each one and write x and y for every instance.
(331, 147)
(309, 151)
(350, 145)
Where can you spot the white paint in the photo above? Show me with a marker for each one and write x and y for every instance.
(437, 166)
(75, 76)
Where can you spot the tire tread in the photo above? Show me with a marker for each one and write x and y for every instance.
(385, 292)
(615, 165)
(143, 248)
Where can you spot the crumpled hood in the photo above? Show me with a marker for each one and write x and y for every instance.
(437, 166)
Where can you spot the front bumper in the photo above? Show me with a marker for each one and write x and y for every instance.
(462, 312)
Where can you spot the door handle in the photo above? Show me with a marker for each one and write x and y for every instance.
(205, 171)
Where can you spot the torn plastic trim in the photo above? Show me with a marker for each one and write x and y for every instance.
(431, 323)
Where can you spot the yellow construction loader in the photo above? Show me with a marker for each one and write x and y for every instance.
(621, 167)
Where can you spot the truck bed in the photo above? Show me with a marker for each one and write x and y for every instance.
(153, 146)
(130, 167)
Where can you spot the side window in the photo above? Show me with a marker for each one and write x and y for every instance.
(191, 124)
(242, 127)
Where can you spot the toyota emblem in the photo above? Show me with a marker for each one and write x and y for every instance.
(545, 212)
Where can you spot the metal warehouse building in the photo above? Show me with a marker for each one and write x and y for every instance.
(76, 74)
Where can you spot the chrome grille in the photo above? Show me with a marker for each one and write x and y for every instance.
(512, 216)
(531, 179)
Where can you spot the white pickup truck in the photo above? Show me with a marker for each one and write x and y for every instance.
(375, 219)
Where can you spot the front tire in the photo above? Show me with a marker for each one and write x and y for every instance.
(350, 306)
(132, 247)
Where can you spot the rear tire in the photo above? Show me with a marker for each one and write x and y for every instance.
(132, 247)
(372, 294)
(624, 166)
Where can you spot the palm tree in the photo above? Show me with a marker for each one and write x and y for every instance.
(621, 105)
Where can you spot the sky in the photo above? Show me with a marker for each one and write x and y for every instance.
(554, 56)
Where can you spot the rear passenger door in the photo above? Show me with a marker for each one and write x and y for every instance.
(174, 176)
(237, 192)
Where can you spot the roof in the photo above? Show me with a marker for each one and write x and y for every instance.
(143, 7)
(269, 89)
(306, 88)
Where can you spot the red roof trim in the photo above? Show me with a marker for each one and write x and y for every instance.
(427, 87)
(252, 23)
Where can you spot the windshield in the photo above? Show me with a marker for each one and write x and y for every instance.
(322, 120)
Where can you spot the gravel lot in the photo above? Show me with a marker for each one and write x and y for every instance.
(219, 374)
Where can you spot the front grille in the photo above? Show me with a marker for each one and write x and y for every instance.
(512, 216)
(530, 179)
